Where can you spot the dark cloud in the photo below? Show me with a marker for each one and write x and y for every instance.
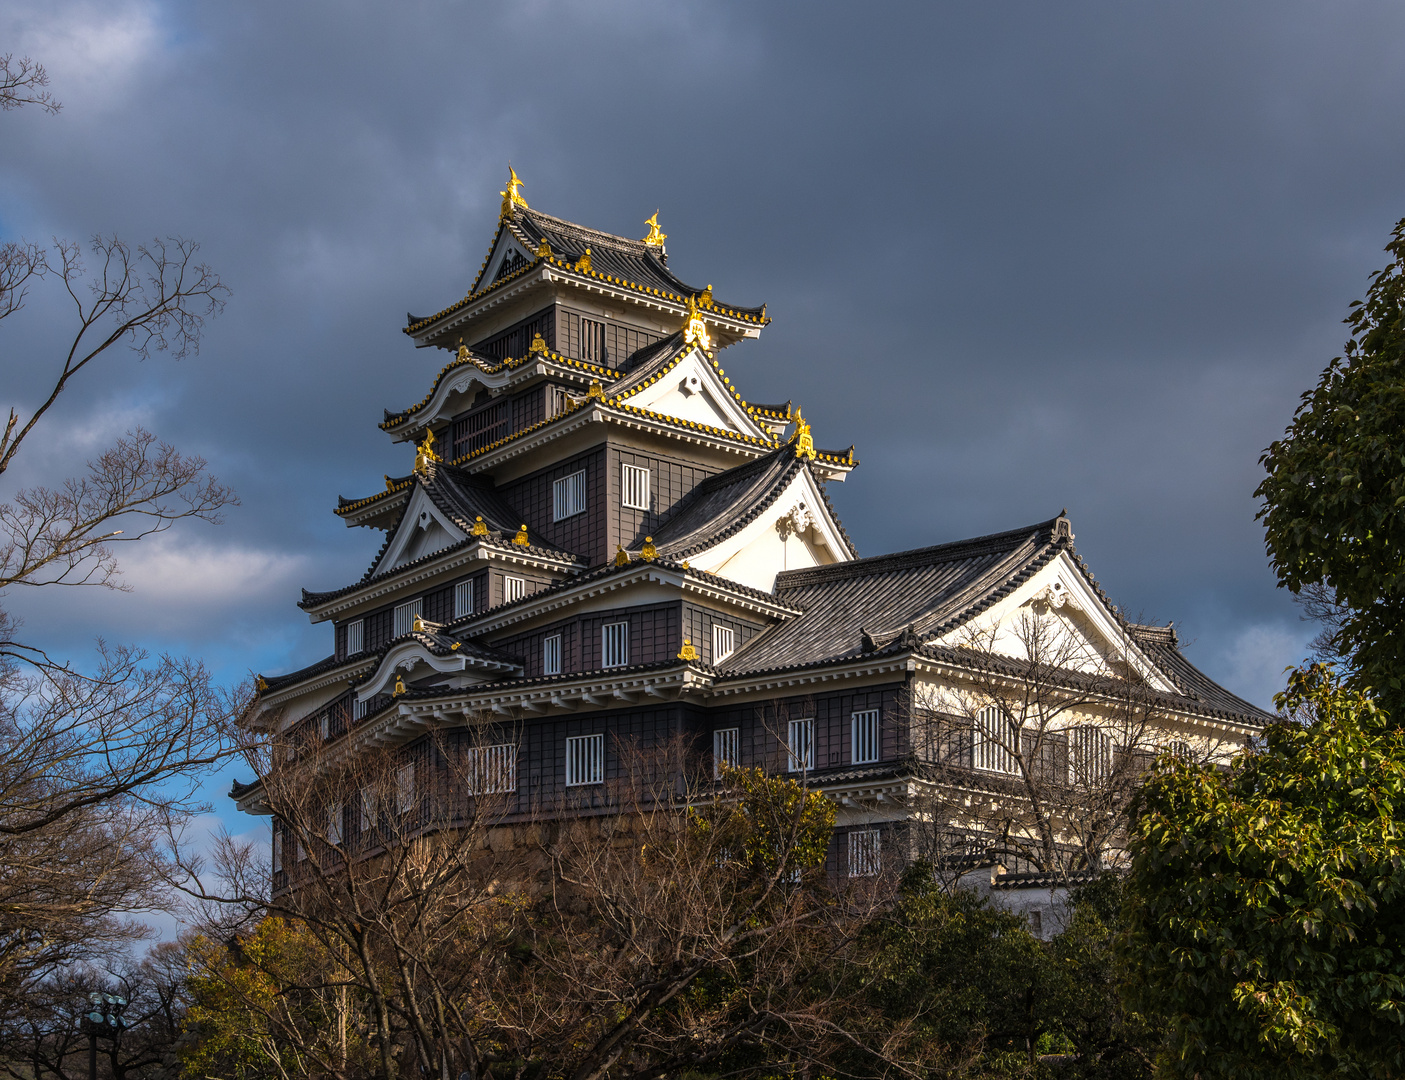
(1024, 256)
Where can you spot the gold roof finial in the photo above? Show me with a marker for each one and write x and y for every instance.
(418, 626)
(424, 454)
(707, 294)
(512, 197)
(544, 249)
(583, 263)
(521, 538)
(656, 236)
(538, 344)
(695, 330)
(479, 528)
(259, 684)
(595, 391)
(804, 442)
(688, 651)
(648, 552)
(399, 686)
(621, 556)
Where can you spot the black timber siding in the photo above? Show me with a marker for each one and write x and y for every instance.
(588, 337)
(491, 419)
(671, 480)
(436, 605)
(654, 635)
(698, 623)
(517, 338)
(584, 534)
(764, 727)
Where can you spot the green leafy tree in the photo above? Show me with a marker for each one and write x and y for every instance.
(1334, 498)
(1268, 902)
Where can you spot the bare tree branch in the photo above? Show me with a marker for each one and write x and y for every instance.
(22, 83)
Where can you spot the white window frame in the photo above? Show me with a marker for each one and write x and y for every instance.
(277, 848)
(324, 725)
(865, 853)
(726, 749)
(335, 822)
(634, 487)
(463, 598)
(405, 787)
(355, 637)
(585, 760)
(491, 770)
(800, 746)
(513, 588)
(614, 644)
(989, 751)
(405, 616)
(359, 709)
(865, 743)
(1089, 755)
(568, 496)
(724, 642)
(551, 654)
(368, 808)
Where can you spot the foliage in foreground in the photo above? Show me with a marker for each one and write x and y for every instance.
(1268, 913)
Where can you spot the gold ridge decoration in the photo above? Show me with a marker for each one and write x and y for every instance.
(538, 345)
(648, 552)
(455, 646)
(418, 626)
(656, 236)
(695, 330)
(804, 441)
(544, 249)
(521, 538)
(259, 684)
(596, 391)
(621, 556)
(399, 686)
(583, 263)
(707, 295)
(688, 651)
(512, 197)
(479, 528)
(425, 455)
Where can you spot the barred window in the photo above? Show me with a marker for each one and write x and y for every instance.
(568, 496)
(277, 848)
(800, 746)
(359, 709)
(865, 853)
(405, 788)
(634, 487)
(324, 725)
(355, 637)
(990, 742)
(1090, 754)
(551, 654)
(865, 737)
(491, 770)
(513, 588)
(726, 749)
(463, 599)
(405, 616)
(334, 823)
(1179, 749)
(585, 760)
(614, 644)
(368, 809)
(724, 643)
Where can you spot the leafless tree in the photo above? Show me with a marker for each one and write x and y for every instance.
(1320, 605)
(1033, 744)
(22, 83)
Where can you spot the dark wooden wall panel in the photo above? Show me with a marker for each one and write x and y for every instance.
(670, 481)
(698, 623)
(584, 534)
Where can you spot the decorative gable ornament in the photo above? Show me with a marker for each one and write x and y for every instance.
(688, 651)
(521, 538)
(695, 330)
(804, 441)
(512, 197)
(479, 528)
(544, 249)
(425, 457)
(538, 345)
(656, 236)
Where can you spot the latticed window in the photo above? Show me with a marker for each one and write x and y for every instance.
(614, 644)
(990, 738)
(405, 788)
(865, 853)
(865, 737)
(551, 654)
(568, 496)
(585, 760)
(634, 487)
(491, 770)
(355, 637)
(726, 749)
(513, 588)
(359, 709)
(1090, 754)
(800, 746)
(724, 643)
(405, 615)
(463, 599)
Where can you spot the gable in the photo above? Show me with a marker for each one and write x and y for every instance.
(795, 532)
(422, 530)
(692, 390)
(507, 257)
(1083, 632)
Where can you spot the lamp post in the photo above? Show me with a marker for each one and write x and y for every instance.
(104, 1017)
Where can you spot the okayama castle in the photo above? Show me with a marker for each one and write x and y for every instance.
(604, 545)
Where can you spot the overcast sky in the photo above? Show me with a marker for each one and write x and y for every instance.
(1025, 256)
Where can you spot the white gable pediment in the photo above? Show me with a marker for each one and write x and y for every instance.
(423, 530)
(1078, 629)
(796, 532)
(508, 256)
(692, 390)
